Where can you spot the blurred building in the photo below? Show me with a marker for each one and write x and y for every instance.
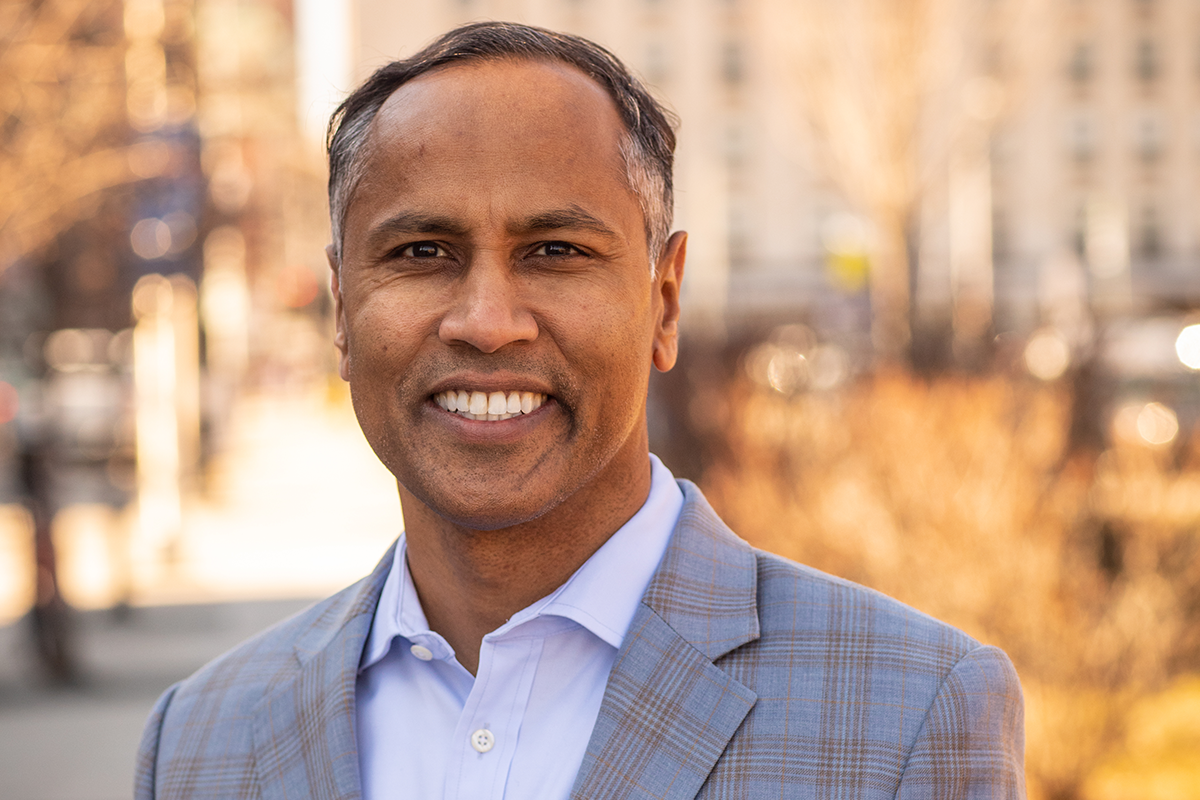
(1089, 173)
(1099, 170)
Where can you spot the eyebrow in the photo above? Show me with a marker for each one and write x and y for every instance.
(560, 219)
(413, 222)
(407, 222)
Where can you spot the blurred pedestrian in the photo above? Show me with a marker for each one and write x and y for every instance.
(50, 617)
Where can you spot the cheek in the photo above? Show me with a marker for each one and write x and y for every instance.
(382, 329)
(609, 346)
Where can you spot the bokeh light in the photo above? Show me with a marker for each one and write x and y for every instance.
(1187, 347)
(1047, 355)
(150, 238)
(1157, 424)
(1144, 423)
(787, 370)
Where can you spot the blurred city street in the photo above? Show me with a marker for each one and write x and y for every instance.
(79, 743)
(296, 507)
(940, 336)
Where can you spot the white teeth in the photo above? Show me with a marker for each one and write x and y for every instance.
(492, 406)
(479, 403)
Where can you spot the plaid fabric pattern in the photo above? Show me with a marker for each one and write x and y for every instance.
(742, 676)
(797, 685)
(273, 718)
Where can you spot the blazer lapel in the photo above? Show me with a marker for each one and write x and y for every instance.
(668, 711)
(304, 737)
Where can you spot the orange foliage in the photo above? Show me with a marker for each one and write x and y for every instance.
(959, 497)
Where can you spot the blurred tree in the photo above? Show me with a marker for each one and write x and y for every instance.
(963, 498)
(896, 94)
(62, 116)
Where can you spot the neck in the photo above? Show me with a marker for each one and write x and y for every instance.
(470, 582)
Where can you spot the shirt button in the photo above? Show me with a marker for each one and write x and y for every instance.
(482, 740)
(423, 653)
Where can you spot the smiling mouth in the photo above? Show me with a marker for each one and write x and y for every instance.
(491, 406)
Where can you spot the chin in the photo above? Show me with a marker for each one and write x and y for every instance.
(490, 518)
(486, 511)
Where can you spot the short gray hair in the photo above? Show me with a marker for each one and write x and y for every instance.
(647, 146)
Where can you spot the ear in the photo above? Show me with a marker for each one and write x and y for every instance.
(667, 281)
(339, 313)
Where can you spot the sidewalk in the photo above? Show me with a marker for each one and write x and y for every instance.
(297, 507)
(79, 743)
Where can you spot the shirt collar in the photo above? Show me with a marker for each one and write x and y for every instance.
(602, 596)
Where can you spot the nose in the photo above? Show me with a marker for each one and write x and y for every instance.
(487, 311)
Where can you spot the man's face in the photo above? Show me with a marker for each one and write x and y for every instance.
(495, 258)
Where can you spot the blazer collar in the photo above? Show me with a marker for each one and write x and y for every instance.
(706, 588)
(668, 711)
(304, 732)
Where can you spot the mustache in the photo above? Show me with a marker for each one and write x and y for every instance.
(545, 371)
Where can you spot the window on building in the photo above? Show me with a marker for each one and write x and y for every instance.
(1079, 230)
(1081, 66)
(735, 145)
(733, 67)
(1149, 242)
(1000, 242)
(1147, 61)
(739, 233)
(1148, 136)
(1081, 137)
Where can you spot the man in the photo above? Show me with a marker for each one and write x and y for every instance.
(560, 618)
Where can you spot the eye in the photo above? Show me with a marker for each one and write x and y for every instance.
(556, 249)
(423, 250)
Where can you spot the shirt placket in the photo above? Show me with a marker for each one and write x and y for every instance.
(485, 739)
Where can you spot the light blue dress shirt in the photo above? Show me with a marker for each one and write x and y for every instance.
(518, 729)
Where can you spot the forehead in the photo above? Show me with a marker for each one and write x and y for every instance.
(487, 90)
(510, 117)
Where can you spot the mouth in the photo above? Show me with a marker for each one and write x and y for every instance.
(489, 406)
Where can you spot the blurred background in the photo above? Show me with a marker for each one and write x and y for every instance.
(941, 337)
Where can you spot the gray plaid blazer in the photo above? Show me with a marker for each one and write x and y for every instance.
(742, 676)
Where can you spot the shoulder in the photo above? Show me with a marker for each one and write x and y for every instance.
(852, 688)
(205, 724)
(252, 668)
(869, 689)
(248, 671)
(798, 600)
(864, 645)
(711, 579)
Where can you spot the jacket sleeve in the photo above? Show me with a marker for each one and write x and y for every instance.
(147, 757)
(972, 742)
